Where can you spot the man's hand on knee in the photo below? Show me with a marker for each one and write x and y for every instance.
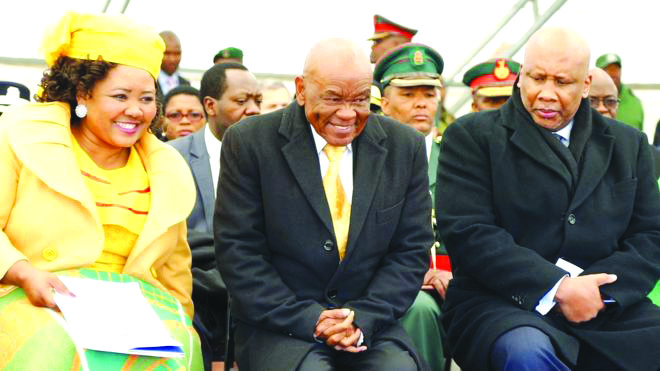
(579, 298)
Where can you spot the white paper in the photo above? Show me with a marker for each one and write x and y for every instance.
(114, 317)
(574, 271)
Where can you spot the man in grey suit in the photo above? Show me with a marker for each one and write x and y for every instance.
(322, 223)
(229, 93)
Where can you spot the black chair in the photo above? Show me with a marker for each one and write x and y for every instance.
(23, 91)
(209, 296)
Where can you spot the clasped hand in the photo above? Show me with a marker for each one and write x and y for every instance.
(437, 279)
(335, 327)
(579, 298)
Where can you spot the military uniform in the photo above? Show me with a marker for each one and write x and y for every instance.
(383, 29)
(412, 65)
(491, 80)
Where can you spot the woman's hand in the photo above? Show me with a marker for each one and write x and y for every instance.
(37, 284)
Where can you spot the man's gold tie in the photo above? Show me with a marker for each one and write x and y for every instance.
(340, 206)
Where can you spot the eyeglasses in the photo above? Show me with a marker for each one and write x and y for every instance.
(178, 116)
(609, 102)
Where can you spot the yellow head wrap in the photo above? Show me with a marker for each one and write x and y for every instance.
(113, 38)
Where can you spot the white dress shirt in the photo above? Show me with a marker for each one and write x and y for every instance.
(565, 133)
(168, 82)
(213, 146)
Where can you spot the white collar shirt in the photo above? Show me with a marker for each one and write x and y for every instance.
(213, 147)
(168, 82)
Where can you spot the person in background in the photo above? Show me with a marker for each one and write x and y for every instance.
(491, 83)
(410, 74)
(604, 99)
(87, 191)
(229, 94)
(630, 110)
(388, 35)
(603, 94)
(275, 96)
(322, 224)
(183, 112)
(228, 55)
(169, 77)
(551, 216)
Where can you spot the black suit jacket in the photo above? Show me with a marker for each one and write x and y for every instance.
(511, 200)
(275, 243)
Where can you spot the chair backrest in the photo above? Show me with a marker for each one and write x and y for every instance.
(23, 90)
(9, 97)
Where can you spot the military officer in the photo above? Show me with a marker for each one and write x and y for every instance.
(229, 54)
(410, 76)
(491, 83)
(388, 35)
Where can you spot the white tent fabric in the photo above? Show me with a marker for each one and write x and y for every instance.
(275, 35)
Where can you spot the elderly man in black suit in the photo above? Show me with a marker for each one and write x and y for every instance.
(323, 253)
(551, 216)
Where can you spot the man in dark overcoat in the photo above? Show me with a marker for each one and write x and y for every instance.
(319, 270)
(551, 216)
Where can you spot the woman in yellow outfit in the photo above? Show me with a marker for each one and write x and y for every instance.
(86, 190)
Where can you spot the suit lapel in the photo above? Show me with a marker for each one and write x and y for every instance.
(201, 170)
(530, 141)
(597, 153)
(368, 160)
(302, 159)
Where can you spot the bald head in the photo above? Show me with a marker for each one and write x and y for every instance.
(603, 94)
(172, 55)
(564, 44)
(335, 53)
(169, 35)
(555, 76)
(335, 89)
(602, 83)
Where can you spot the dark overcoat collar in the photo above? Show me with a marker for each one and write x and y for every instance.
(587, 159)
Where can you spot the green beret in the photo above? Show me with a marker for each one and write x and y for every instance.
(229, 52)
(607, 59)
(410, 65)
(493, 78)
